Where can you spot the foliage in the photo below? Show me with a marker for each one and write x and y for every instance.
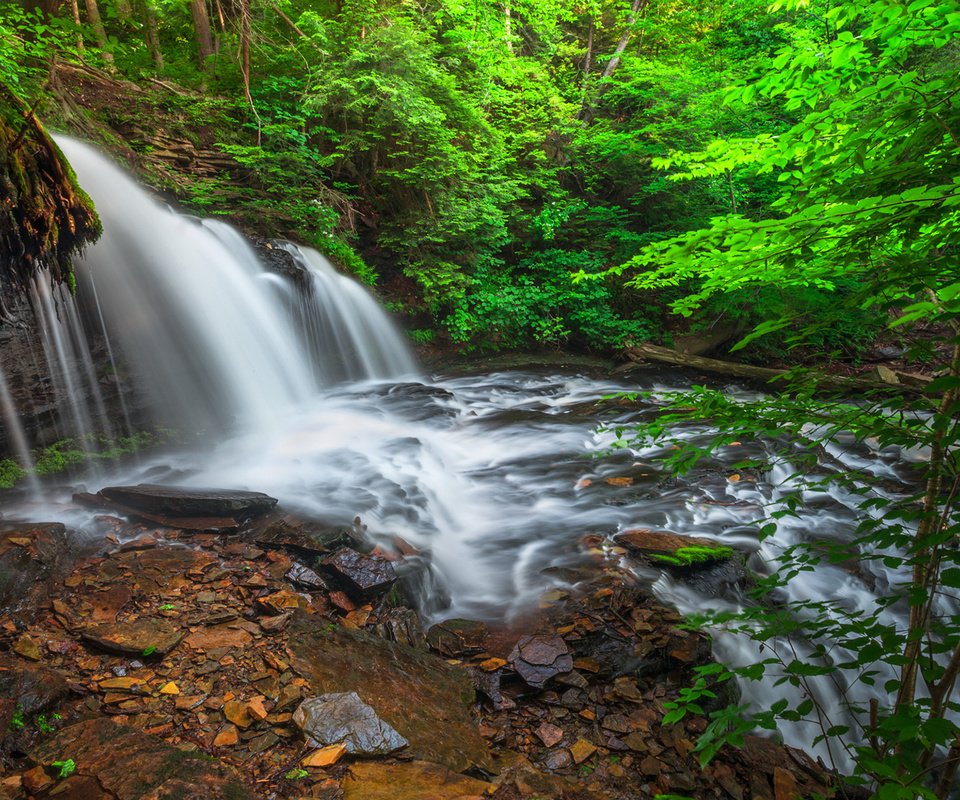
(10, 473)
(867, 202)
(64, 768)
(536, 304)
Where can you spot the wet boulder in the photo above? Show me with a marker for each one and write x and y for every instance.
(537, 659)
(362, 576)
(305, 539)
(177, 501)
(343, 717)
(671, 549)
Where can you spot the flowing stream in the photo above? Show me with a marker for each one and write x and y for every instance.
(303, 389)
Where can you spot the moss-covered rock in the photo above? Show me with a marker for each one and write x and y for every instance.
(45, 218)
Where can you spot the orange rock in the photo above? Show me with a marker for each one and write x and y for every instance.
(492, 664)
(228, 737)
(170, 688)
(256, 707)
(325, 756)
(237, 713)
(36, 780)
(581, 750)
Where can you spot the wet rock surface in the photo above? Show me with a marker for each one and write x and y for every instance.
(427, 701)
(174, 664)
(344, 718)
(174, 501)
(361, 575)
(117, 761)
(31, 553)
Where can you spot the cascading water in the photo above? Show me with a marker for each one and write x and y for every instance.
(496, 476)
(194, 313)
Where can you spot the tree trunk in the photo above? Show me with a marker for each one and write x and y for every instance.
(508, 25)
(151, 31)
(588, 58)
(201, 25)
(124, 11)
(93, 17)
(645, 353)
(245, 59)
(75, 10)
(637, 7)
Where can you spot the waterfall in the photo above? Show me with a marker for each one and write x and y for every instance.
(204, 326)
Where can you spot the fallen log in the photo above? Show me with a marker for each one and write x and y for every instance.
(645, 353)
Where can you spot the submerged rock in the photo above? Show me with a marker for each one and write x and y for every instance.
(344, 717)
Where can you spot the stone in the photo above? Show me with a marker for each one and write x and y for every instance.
(304, 538)
(581, 750)
(360, 575)
(36, 780)
(306, 578)
(325, 756)
(537, 659)
(34, 559)
(177, 501)
(344, 717)
(218, 636)
(141, 637)
(416, 780)
(427, 701)
(549, 734)
(238, 713)
(28, 686)
(453, 638)
(227, 737)
(26, 646)
(672, 549)
(131, 765)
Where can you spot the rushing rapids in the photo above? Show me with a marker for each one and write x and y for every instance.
(308, 393)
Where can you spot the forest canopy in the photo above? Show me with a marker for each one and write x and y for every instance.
(470, 158)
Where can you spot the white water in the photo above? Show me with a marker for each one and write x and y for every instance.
(201, 321)
(496, 476)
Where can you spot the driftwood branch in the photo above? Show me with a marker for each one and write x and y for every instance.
(899, 382)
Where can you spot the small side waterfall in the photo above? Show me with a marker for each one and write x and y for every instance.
(203, 324)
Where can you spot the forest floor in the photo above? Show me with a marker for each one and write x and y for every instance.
(164, 662)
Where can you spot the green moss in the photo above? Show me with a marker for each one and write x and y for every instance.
(67, 453)
(10, 473)
(690, 556)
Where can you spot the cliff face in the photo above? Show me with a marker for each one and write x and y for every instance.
(44, 216)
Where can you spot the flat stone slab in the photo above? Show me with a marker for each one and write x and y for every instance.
(344, 717)
(537, 659)
(178, 501)
(141, 637)
(425, 700)
(130, 765)
(417, 780)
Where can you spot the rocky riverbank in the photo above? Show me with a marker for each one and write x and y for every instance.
(228, 650)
